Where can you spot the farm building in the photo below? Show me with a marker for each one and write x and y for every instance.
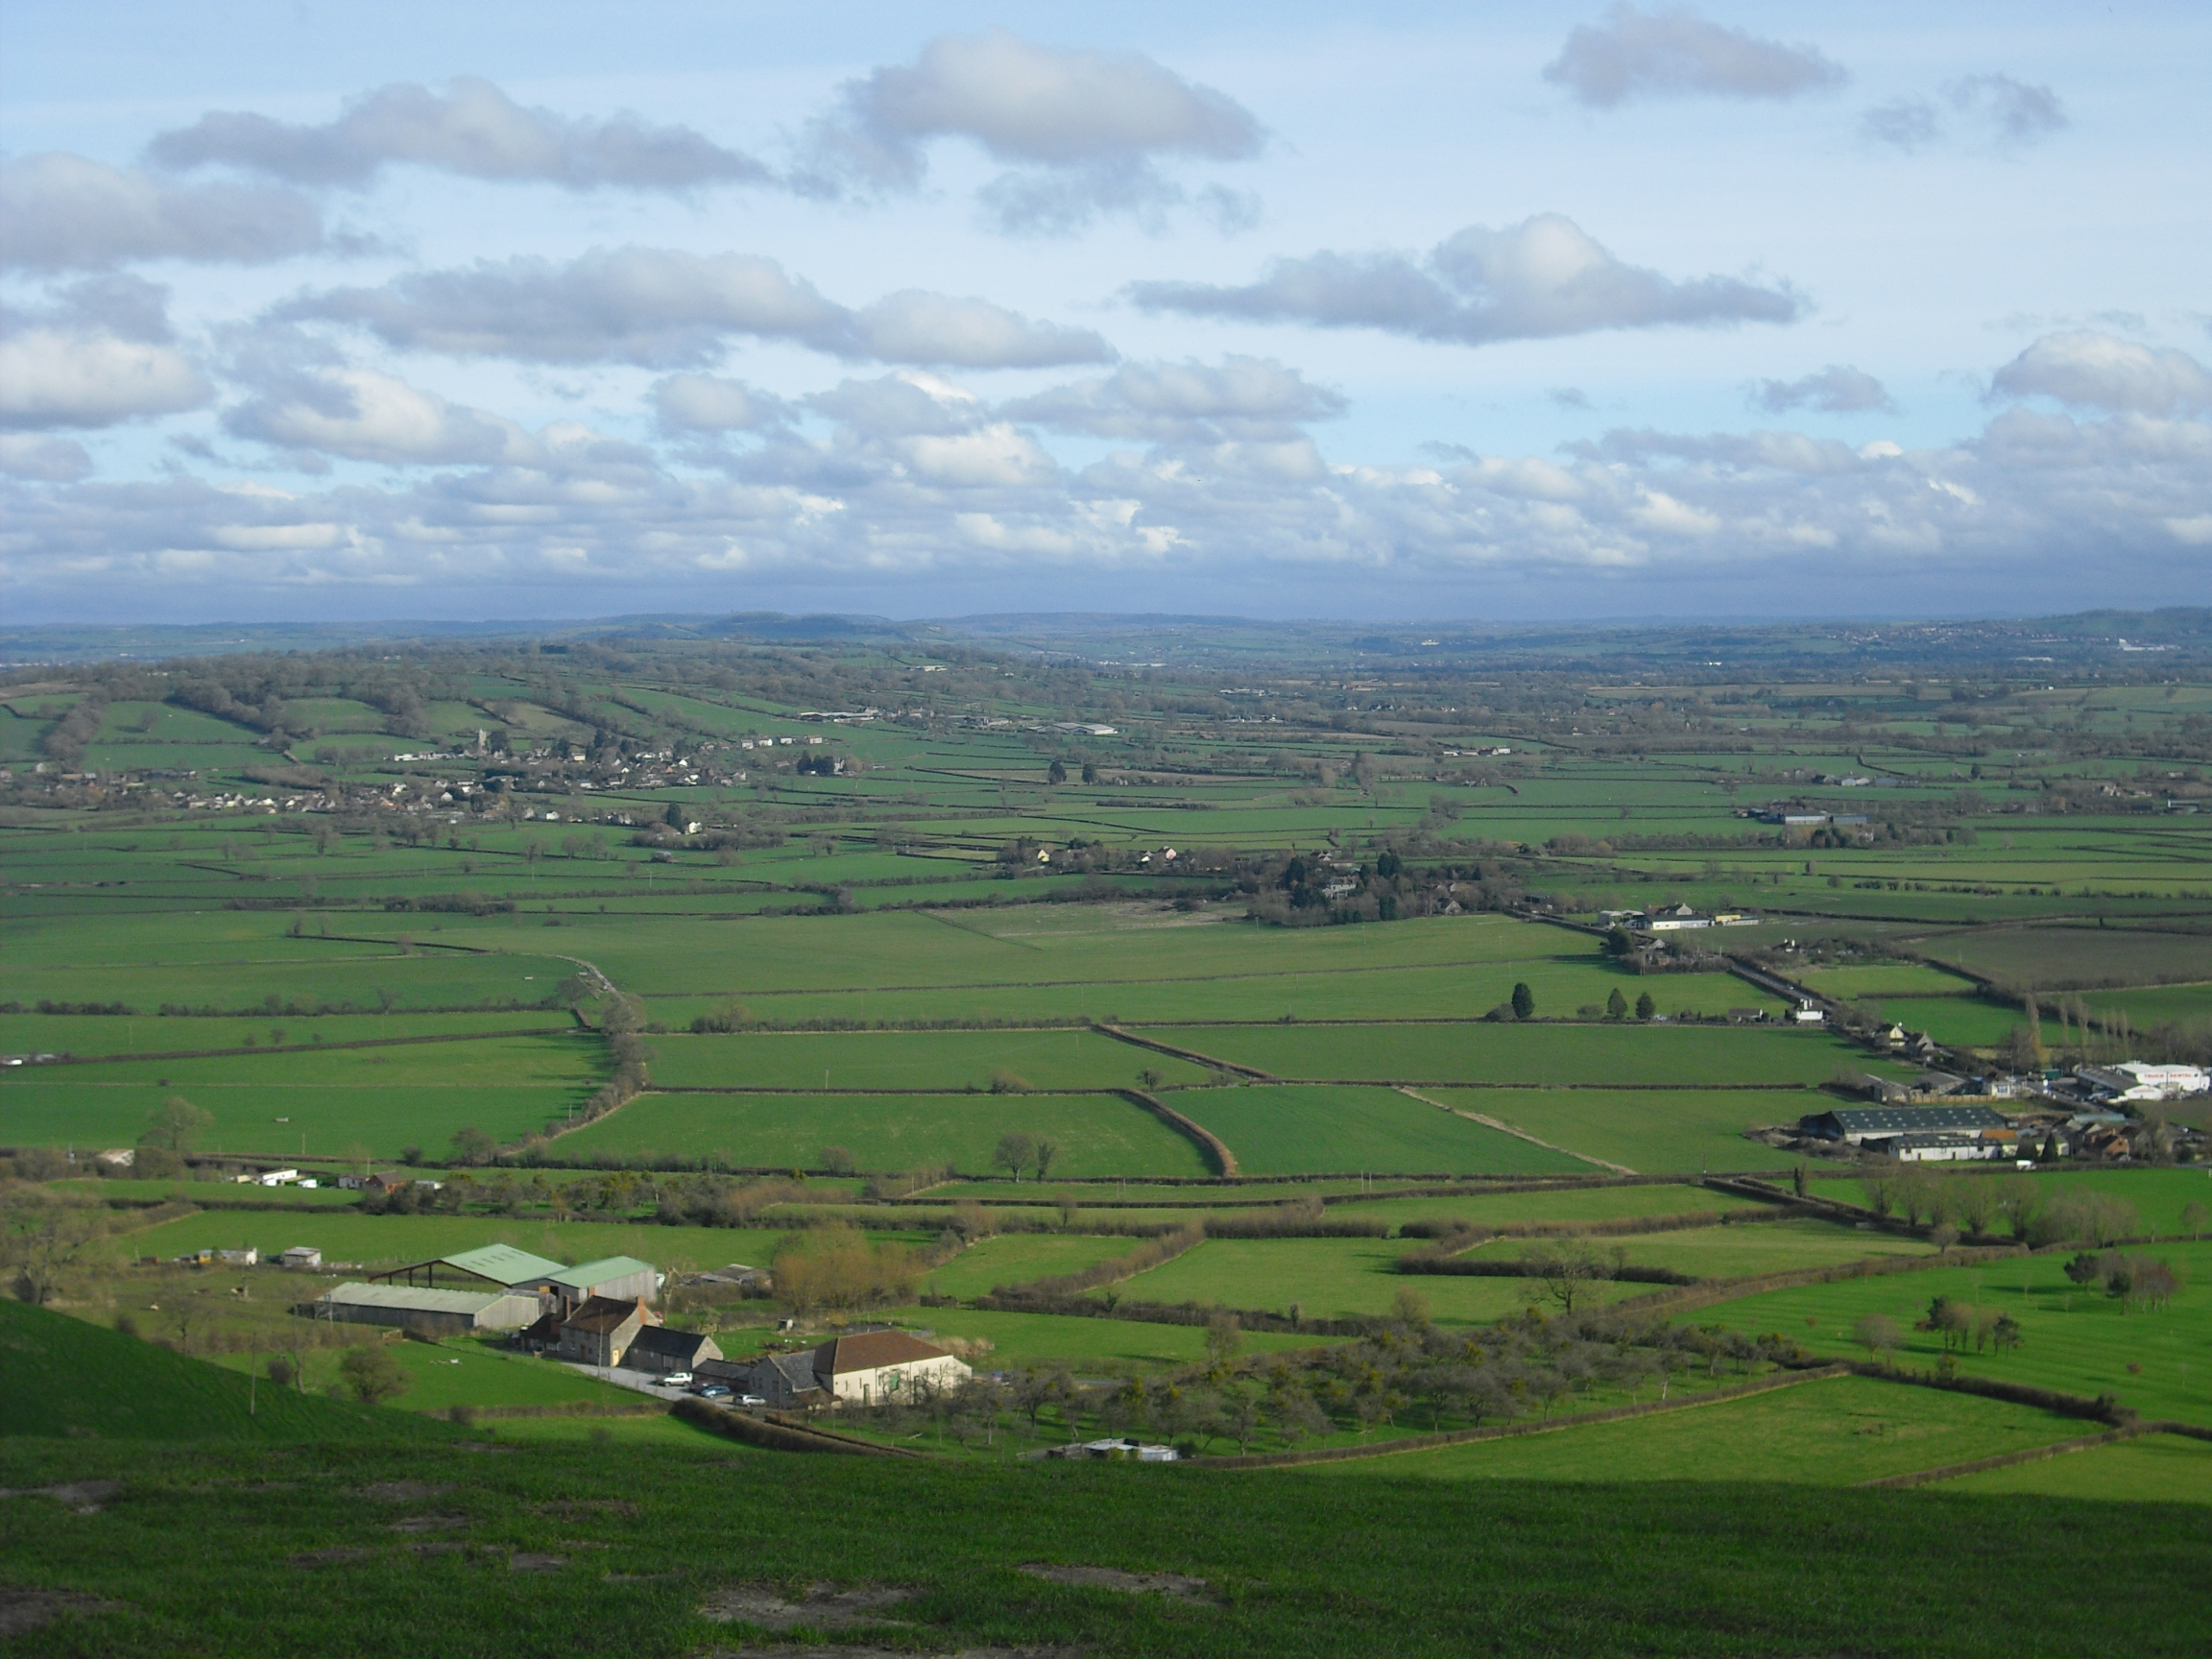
(659, 1349)
(623, 1277)
(303, 1256)
(2140, 1080)
(437, 1312)
(783, 1380)
(881, 1365)
(601, 1331)
(1942, 1145)
(501, 1264)
(1855, 1124)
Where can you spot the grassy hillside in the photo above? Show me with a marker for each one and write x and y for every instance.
(62, 1377)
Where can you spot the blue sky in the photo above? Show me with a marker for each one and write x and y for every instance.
(1510, 312)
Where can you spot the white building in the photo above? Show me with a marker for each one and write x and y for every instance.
(879, 1365)
(2141, 1080)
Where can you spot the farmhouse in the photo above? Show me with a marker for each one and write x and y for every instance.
(884, 1365)
(435, 1312)
(1854, 1125)
(601, 1331)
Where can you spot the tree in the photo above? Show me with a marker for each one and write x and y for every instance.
(1524, 1001)
(374, 1375)
(1043, 1152)
(2005, 1333)
(1056, 772)
(1014, 1153)
(1089, 772)
(2193, 1218)
(1616, 1005)
(175, 1124)
(1150, 1077)
(1224, 1338)
(1618, 943)
(472, 1145)
(1646, 1007)
(1566, 1272)
(837, 1160)
(1878, 1334)
(1387, 864)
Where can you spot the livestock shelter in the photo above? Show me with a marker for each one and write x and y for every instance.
(434, 1312)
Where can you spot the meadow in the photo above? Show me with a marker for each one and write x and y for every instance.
(2149, 1469)
(1651, 1132)
(1309, 1129)
(1832, 1431)
(893, 1061)
(1096, 1135)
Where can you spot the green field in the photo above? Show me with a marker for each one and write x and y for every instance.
(1017, 1259)
(2077, 1342)
(1565, 1205)
(1295, 1129)
(1653, 1132)
(301, 1102)
(1097, 1134)
(1729, 1252)
(898, 1060)
(2152, 1469)
(2158, 1196)
(1836, 1431)
(1538, 1054)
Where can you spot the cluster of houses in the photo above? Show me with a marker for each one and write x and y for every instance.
(601, 1313)
(1674, 919)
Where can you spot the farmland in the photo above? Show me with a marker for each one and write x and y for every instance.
(1137, 1063)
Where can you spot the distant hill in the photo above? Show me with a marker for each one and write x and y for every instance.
(62, 1377)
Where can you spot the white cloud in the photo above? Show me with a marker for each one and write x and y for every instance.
(2102, 371)
(1678, 54)
(1086, 128)
(62, 212)
(366, 415)
(710, 403)
(2008, 113)
(473, 128)
(1835, 390)
(53, 378)
(1538, 279)
(663, 309)
(1184, 402)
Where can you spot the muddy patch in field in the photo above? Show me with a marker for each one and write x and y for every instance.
(77, 1497)
(1181, 1586)
(400, 1491)
(868, 1651)
(338, 1557)
(535, 1561)
(22, 1610)
(428, 1524)
(821, 1606)
(578, 1508)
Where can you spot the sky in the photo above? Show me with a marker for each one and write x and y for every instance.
(1413, 312)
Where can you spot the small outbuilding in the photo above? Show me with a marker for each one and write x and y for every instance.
(660, 1349)
(303, 1256)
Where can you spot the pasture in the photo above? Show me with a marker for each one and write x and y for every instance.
(891, 1061)
(2151, 1469)
(1096, 1135)
(1652, 1132)
(1832, 1431)
(1310, 1129)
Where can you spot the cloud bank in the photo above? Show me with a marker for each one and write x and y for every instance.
(1635, 55)
(62, 212)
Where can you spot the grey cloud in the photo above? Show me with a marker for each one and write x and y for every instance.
(366, 415)
(1250, 399)
(1570, 398)
(1084, 129)
(2102, 371)
(1538, 279)
(711, 404)
(473, 128)
(1677, 55)
(2008, 112)
(901, 405)
(44, 460)
(1835, 390)
(2014, 112)
(661, 309)
(62, 212)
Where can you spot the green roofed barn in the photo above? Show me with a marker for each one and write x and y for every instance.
(501, 1264)
(623, 1278)
(433, 1313)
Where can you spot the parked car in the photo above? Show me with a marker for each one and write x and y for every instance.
(676, 1380)
(713, 1390)
(751, 1400)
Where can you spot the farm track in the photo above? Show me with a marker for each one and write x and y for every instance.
(1191, 1054)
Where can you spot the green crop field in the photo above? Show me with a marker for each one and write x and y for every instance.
(1096, 1134)
(1836, 1431)
(1295, 1129)
(1728, 1251)
(2158, 1196)
(1652, 1132)
(1017, 1259)
(2080, 1342)
(1090, 1347)
(1566, 1205)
